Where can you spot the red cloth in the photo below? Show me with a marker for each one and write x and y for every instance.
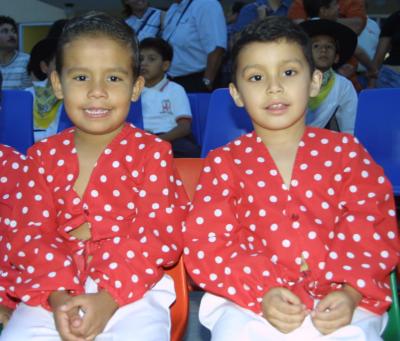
(11, 167)
(347, 9)
(134, 203)
(248, 232)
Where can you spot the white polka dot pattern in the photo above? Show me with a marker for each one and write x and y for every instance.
(12, 166)
(248, 232)
(135, 211)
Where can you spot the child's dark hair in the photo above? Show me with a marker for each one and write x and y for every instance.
(4, 19)
(97, 24)
(43, 51)
(162, 47)
(312, 7)
(271, 29)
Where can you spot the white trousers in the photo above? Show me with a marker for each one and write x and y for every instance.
(147, 319)
(228, 321)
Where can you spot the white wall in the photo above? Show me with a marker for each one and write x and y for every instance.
(30, 11)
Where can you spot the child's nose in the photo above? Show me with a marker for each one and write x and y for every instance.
(97, 89)
(274, 86)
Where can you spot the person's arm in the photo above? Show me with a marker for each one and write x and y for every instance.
(210, 23)
(129, 264)
(365, 246)
(37, 250)
(214, 256)
(182, 129)
(214, 60)
(364, 59)
(347, 111)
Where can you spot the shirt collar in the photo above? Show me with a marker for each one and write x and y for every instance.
(161, 84)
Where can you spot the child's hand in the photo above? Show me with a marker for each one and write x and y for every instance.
(64, 319)
(283, 309)
(97, 308)
(335, 310)
(5, 314)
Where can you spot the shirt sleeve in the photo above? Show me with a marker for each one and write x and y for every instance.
(41, 256)
(247, 15)
(347, 111)
(214, 256)
(128, 266)
(180, 103)
(211, 26)
(11, 167)
(365, 247)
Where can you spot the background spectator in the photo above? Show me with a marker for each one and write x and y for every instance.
(12, 62)
(389, 42)
(196, 29)
(260, 9)
(146, 21)
(46, 107)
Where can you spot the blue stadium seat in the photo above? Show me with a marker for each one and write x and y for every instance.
(199, 102)
(225, 121)
(16, 119)
(134, 116)
(378, 128)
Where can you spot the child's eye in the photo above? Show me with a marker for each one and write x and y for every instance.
(114, 78)
(255, 78)
(290, 73)
(80, 78)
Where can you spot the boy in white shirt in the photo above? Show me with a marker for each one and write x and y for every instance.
(165, 104)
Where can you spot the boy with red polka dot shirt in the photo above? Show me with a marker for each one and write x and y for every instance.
(292, 232)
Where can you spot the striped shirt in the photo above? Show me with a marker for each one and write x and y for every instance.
(15, 75)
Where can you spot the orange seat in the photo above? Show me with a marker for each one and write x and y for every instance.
(189, 171)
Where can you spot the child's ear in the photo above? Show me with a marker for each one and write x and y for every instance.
(56, 84)
(43, 66)
(137, 88)
(316, 81)
(165, 65)
(235, 95)
(337, 57)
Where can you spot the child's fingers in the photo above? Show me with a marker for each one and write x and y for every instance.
(326, 304)
(290, 297)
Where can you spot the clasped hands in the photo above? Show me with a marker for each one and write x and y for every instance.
(285, 311)
(82, 317)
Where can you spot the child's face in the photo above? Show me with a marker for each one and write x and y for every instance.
(152, 67)
(97, 84)
(324, 52)
(274, 84)
(8, 37)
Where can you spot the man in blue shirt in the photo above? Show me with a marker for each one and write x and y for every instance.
(259, 9)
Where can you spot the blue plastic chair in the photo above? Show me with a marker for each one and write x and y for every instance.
(199, 103)
(16, 119)
(378, 128)
(225, 121)
(134, 116)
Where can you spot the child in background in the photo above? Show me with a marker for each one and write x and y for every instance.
(100, 210)
(292, 232)
(46, 106)
(165, 104)
(332, 45)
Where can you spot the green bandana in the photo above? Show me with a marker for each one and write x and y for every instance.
(328, 80)
(45, 107)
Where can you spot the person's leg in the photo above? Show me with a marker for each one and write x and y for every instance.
(30, 323)
(146, 319)
(228, 321)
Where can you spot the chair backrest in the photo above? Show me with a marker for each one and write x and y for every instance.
(199, 103)
(392, 330)
(225, 121)
(16, 119)
(189, 171)
(134, 116)
(378, 128)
